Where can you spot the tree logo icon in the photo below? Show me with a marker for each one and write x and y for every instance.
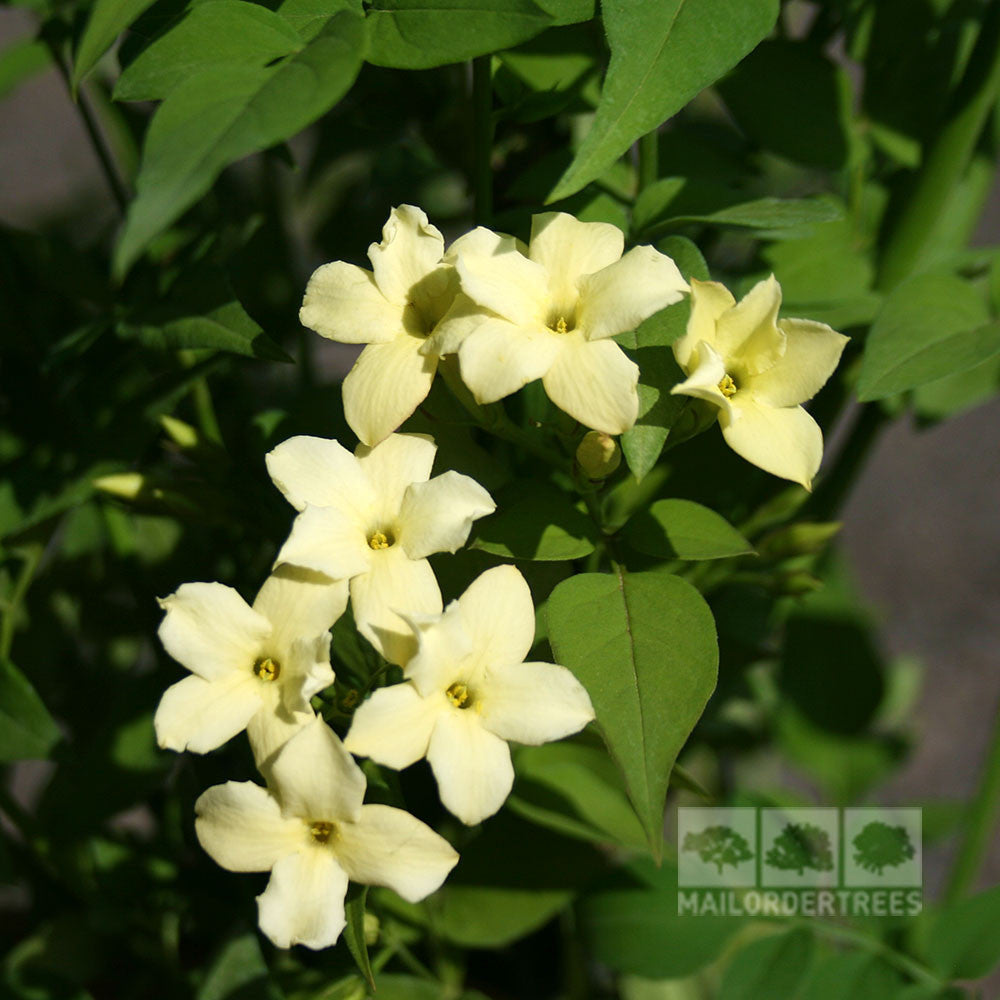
(719, 846)
(800, 846)
(879, 846)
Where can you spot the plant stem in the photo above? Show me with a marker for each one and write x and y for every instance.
(982, 822)
(902, 962)
(948, 157)
(482, 139)
(201, 395)
(32, 555)
(93, 130)
(649, 159)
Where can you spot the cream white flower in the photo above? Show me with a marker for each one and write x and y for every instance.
(392, 308)
(311, 831)
(756, 369)
(373, 518)
(252, 668)
(468, 692)
(549, 313)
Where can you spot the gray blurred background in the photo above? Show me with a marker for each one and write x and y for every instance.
(921, 528)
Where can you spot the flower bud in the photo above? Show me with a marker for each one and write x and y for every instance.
(372, 927)
(805, 538)
(181, 433)
(127, 485)
(598, 455)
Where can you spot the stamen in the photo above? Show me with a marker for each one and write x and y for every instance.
(381, 540)
(266, 669)
(727, 386)
(321, 831)
(459, 695)
(561, 325)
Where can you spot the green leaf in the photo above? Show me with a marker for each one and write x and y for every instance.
(225, 113)
(685, 255)
(108, 19)
(19, 61)
(636, 929)
(239, 970)
(420, 34)
(853, 976)
(27, 731)
(963, 943)
(662, 55)
(214, 33)
(683, 529)
(537, 523)
(644, 647)
(658, 409)
(953, 394)
(227, 328)
(354, 930)
(771, 966)
(930, 326)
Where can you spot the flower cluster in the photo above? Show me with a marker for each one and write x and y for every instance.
(367, 521)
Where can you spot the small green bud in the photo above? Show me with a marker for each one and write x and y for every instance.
(798, 539)
(796, 583)
(127, 485)
(181, 433)
(598, 455)
(371, 928)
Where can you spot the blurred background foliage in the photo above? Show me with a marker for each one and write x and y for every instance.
(148, 365)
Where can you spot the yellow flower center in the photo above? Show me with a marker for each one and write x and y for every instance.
(459, 695)
(727, 386)
(321, 831)
(381, 540)
(266, 669)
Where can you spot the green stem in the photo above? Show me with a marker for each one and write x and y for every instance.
(902, 962)
(482, 139)
(201, 395)
(983, 817)
(948, 158)
(97, 140)
(649, 159)
(32, 555)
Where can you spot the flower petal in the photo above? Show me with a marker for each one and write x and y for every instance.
(500, 357)
(325, 540)
(534, 703)
(211, 630)
(343, 303)
(394, 583)
(240, 826)
(709, 300)
(270, 728)
(498, 614)
(461, 320)
(708, 371)
(387, 383)
(300, 604)
(619, 297)
(747, 336)
(321, 472)
(595, 383)
(443, 646)
(315, 778)
(392, 465)
(505, 282)
(784, 441)
(568, 249)
(410, 249)
(437, 516)
(471, 765)
(199, 715)
(304, 900)
(812, 351)
(394, 725)
(389, 847)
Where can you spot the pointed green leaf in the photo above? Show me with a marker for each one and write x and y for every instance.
(683, 529)
(644, 646)
(662, 55)
(27, 731)
(963, 943)
(239, 970)
(108, 19)
(354, 931)
(225, 113)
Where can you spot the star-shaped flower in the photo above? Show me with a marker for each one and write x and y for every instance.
(757, 369)
(549, 312)
(252, 668)
(391, 308)
(468, 692)
(311, 831)
(373, 518)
